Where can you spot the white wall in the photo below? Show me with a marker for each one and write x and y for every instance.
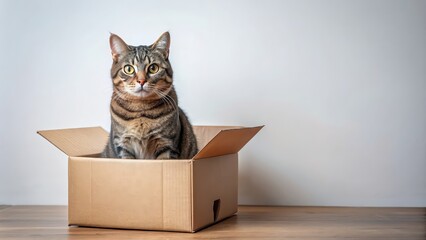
(340, 86)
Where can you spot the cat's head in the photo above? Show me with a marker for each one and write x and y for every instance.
(141, 71)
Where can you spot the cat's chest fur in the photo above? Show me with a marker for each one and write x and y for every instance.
(136, 136)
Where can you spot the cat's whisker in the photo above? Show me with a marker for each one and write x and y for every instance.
(165, 98)
(173, 105)
(161, 98)
(168, 100)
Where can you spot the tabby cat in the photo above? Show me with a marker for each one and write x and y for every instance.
(146, 121)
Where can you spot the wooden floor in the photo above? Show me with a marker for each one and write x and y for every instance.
(50, 222)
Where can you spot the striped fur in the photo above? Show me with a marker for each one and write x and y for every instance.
(146, 121)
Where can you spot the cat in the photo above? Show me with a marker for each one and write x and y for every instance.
(146, 121)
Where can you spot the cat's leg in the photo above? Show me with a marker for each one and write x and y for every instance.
(161, 147)
(124, 153)
(122, 145)
(166, 152)
(122, 148)
(164, 155)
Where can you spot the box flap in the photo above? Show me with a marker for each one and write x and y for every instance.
(206, 133)
(77, 141)
(227, 142)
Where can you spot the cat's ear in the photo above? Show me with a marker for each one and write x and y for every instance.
(118, 47)
(163, 43)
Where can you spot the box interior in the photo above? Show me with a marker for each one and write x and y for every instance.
(212, 140)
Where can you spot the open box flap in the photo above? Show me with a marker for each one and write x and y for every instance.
(77, 141)
(206, 133)
(227, 142)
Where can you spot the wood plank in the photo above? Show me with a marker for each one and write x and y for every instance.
(4, 206)
(252, 222)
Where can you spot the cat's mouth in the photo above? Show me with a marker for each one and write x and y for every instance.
(141, 89)
(143, 92)
(147, 91)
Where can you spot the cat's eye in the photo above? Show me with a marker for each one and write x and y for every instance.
(128, 69)
(153, 68)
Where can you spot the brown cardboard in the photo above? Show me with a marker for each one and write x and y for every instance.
(149, 194)
(214, 179)
(77, 141)
(206, 133)
(170, 195)
(227, 141)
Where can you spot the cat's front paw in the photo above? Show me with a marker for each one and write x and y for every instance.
(167, 154)
(124, 153)
(164, 155)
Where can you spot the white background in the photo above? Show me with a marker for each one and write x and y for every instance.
(340, 86)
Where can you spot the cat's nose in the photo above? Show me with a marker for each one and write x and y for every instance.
(141, 77)
(141, 81)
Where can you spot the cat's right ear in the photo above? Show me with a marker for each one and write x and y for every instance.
(118, 47)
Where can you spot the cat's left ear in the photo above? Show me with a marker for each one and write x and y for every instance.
(118, 47)
(163, 44)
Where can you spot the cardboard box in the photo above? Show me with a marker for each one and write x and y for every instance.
(168, 195)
